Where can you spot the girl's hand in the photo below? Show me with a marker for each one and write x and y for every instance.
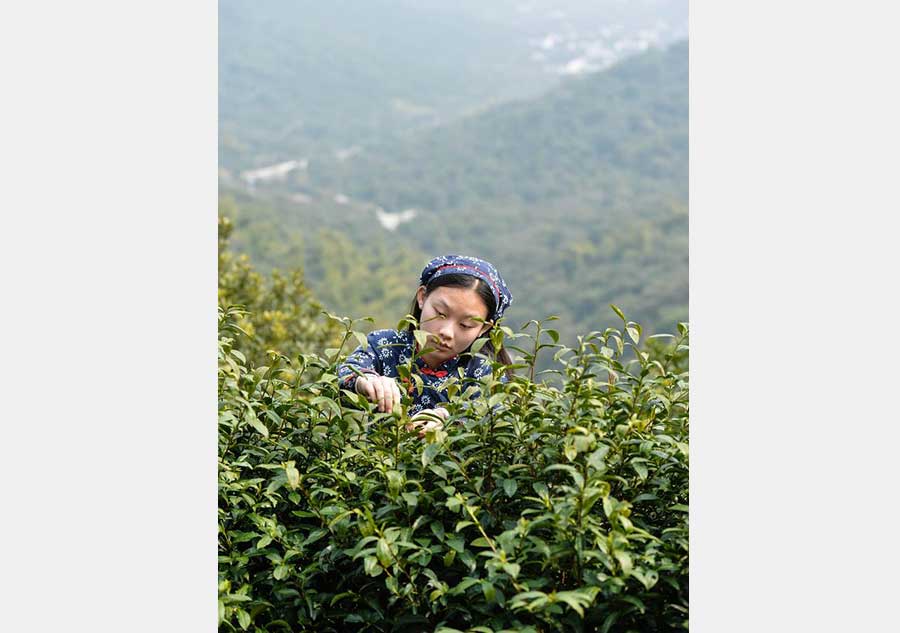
(428, 419)
(382, 390)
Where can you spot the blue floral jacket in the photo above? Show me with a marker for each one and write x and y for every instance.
(389, 348)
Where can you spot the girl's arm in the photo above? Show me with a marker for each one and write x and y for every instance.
(360, 361)
(374, 386)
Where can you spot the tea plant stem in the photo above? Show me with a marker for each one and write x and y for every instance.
(490, 466)
(537, 347)
(400, 567)
(489, 540)
(486, 502)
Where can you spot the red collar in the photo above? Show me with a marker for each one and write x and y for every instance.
(437, 373)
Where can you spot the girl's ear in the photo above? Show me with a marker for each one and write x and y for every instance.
(420, 297)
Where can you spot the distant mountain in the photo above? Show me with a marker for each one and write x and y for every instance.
(306, 78)
(579, 196)
(620, 132)
(302, 79)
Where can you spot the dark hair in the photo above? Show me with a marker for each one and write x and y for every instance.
(458, 280)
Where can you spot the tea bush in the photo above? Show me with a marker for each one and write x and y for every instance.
(279, 311)
(536, 508)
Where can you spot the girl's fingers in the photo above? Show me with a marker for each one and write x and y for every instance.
(397, 396)
(370, 389)
(386, 395)
(431, 424)
(391, 393)
(379, 394)
(381, 390)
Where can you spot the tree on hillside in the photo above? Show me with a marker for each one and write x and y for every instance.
(281, 313)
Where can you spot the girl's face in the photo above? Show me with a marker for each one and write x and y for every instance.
(449, 316)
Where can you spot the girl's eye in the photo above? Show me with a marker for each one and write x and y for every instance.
(466, 327)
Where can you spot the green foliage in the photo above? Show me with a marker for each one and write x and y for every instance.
(537, 508)
(278, 313)
(351, 268)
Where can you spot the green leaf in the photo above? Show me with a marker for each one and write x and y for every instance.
(634, 331)
(647, 579)
(512, 569)
(577, 479)
(363, 340)
(327, 402)
(624, 559)
(251, 419)
(468, 560)
(640, 469)
(510, 486)
(395, 481)
(489, 591)
(496, 399)
(421, 337)
(383, 551)
(391, 583)
(609, 621)
(243, 618)
(620, 346)
(457, 542)
(477, 345)
(429, 453)
(314, 536)
(609, 506)
(572, 601)
(449, 557)
(280, 572)
(635, 601)
(465, 584)
(596, 459)
(371, 567)
(553, 334)
(617, 311)
(293, 475)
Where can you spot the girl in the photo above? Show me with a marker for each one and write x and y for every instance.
(458, 300)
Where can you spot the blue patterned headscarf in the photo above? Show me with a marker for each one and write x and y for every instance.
(462, 264)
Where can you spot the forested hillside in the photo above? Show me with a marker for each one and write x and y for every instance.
(579, 197)
(619, 134)
(302, 78)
